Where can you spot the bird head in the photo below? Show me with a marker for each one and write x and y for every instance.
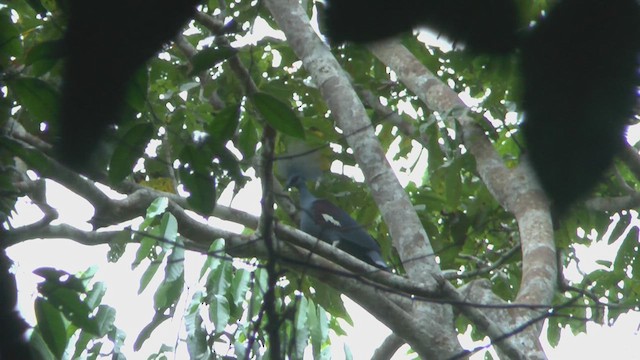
(296, 181)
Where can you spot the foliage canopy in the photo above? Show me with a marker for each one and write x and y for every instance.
(199, 118)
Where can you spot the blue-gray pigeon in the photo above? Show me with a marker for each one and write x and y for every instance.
(327, 222)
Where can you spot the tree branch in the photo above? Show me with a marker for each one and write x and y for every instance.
(613, 204)
(515, 190)
(388, 347)
(405, 228)
(485, 269)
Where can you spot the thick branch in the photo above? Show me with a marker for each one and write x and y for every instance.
(515, 190)
(434, 321)
(388, 347)
(614, 204)
(350, 115)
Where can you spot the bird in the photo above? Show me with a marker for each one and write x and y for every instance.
(329, 223)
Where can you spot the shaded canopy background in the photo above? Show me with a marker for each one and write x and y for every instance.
(204, 90)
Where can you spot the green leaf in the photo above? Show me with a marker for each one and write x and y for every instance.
(44, 55)
(553, 332)
(210, 57)
(347, 352)
(39, 346)
(105, 318)
(197, 179)
(219, 280)
(218, 285)
(94, 297)
(94, 351)
(247, 139)
(174, 269)
(216, 250)
(157, 207)
(148, 275)
(37, 6)
(86, 276)
(278, 114)
(37, 96)
(129, 149)
(224, 124)
(240, 286)
(197, 345)
(330, 300)
(147, 244)
(118, 245)
(453, 187)
(168, 294)
(44, 51)
(70, 304)
(81, 344)
(258, 288)
(136, 92)
(606, 263)
(219, 312)
(318, 326)
(9, 38)
(169, 229)
(51, 326)
(32, 157)
(146, 332)
(301, 327)
(117, 337)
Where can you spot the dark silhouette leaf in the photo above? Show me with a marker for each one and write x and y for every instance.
(210, 57)
(279, 115)
(37, 96)
(129, 149)
(51, 326)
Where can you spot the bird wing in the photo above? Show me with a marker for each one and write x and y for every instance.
(330, 217)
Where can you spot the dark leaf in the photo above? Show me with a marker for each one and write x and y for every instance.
(9, 38)
(73, 308)
(146, 332)
(210, 57)
(157, 207)
(39, 346)
(224, 124)
(43, 56)
(219, 312)
(32, 157)
(117, 336)
(51, 326)
(248, 138)
(301, 327)
(147, 244)
(136, 95)
(168, 294)
(81, 344)
(60, 278)
(45, 51)
(330, 300)
(37, 96)
(105, 318)
(174, 269)
(197, 179)
(37, 6)
(278, 114)
(129, 149)
(197, 338)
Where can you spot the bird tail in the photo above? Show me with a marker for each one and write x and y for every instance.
(374, 258)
